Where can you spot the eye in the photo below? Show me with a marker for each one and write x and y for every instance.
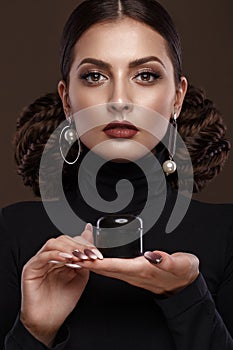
(147, 77)
(93, 77)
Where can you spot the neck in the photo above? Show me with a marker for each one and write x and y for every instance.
(119, 187)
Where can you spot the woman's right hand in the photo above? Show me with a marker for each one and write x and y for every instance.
(51, 291)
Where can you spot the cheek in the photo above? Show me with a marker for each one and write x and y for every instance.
(161, 106)
(91, 138)
(82, 97)
(161, 99)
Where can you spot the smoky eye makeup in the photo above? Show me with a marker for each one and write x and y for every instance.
(92, 77)
(148, 75)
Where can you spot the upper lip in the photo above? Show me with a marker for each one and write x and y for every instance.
(124, 124)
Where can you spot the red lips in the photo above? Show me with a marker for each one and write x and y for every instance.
(120, 129)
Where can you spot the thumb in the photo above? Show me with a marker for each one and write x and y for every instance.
(88, 233)
(162, 260)
(175, 263)
(86, 238)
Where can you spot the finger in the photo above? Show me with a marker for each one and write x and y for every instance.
(56, 262)
(87, 238)
(128, 270)
(87, 254)
(114, 266)
(39, 264)
(161, 260)
(186, 262)
(74, 266)
(176, 263)
(59, 264)
(80, 255)
(68, 245)
(62, 243)
(80, 241)
(88, 233)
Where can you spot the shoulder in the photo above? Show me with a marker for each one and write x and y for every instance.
(25, 219)
(214, 211)
(21, 207)
(202, 215)
(211, 218)
(21, 213)
(24, 229)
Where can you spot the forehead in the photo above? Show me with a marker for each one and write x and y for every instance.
(120, 41)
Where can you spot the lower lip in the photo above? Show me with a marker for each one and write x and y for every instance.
(121, 132)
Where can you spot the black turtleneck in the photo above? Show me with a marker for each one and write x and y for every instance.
(140, 174)
(143, 189)
(112, 314)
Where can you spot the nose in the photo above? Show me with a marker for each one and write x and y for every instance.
(120, 107)
(119, 102)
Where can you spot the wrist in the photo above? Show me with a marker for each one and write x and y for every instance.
(180, 288)
(43, 335)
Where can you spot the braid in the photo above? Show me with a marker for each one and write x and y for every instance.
(201, 127)
(34, 127)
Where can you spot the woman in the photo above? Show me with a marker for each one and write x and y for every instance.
(122, 55)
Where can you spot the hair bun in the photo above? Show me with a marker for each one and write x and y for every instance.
(202, 128)
(34, 127)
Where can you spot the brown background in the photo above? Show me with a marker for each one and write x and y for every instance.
(30, 33)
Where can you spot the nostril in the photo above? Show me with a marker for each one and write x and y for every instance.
(113, 107)
(119, 107)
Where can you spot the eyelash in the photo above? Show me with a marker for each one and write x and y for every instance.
(155, 75)
(85, 76)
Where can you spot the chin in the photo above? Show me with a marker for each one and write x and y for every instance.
(121, 151)
(120, 160)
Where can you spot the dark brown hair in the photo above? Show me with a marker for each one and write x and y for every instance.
(200, 123)
(91, 12)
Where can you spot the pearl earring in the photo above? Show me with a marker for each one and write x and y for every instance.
(169, 166)
(70, 135)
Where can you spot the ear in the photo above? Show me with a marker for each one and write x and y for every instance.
(180, 95)
(63, 93)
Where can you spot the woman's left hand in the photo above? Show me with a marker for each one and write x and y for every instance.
(172, 274)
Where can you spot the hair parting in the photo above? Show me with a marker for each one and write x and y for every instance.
(200, 124)
(119, 8)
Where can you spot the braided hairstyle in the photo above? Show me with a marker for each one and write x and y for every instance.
(35, 125)
(203, 130)
(200, 124)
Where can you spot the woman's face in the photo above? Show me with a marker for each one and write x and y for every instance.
(122, 68)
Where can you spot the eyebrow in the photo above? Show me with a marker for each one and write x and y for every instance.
(104, 65)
